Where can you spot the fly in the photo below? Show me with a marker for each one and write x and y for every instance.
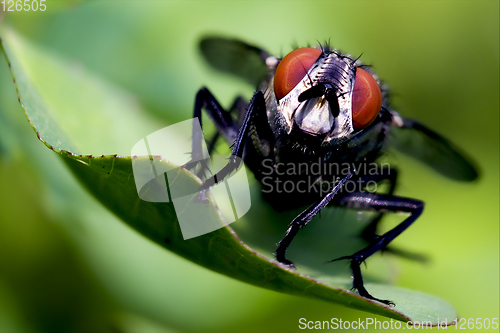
(318, 105)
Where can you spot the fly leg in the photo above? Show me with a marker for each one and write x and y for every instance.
(239, 107)
(255, 118)
(383, 174)
(222, 119)
(303, 218)
(370, 234)
(380, 203)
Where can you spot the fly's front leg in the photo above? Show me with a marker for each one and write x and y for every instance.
(239, 108)
(221, 118)
(301, 221)
(380, 203)
(256, 113)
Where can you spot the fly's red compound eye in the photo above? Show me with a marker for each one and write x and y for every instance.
(366, 99)
(292, 69)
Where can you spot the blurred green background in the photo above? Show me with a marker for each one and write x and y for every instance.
(67, 264)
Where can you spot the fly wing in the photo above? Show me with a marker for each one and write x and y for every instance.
(236, 57)
(422, 143)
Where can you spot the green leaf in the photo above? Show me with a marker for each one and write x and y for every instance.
(77, 114)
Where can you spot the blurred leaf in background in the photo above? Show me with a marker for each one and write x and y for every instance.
(67, 264)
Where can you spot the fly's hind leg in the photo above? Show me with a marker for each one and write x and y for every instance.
(370, 233)
(383, 204)
(383, 174)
